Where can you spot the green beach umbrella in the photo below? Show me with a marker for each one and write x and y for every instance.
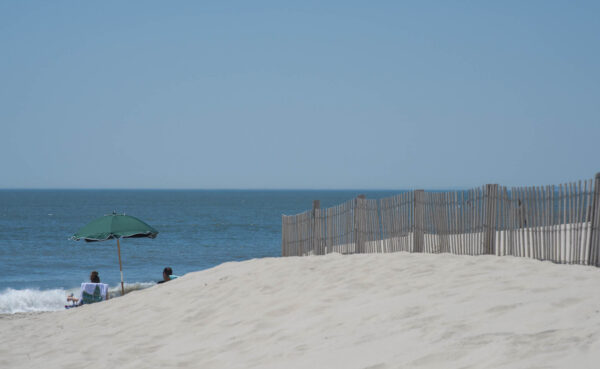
(115, 226)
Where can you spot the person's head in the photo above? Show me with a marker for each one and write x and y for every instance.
(94, 278)
(167, 273)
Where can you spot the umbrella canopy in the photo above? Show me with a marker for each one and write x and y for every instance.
(114, 226)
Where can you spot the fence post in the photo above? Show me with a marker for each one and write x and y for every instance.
(490, 218)
(595, 231)
(419, 214)
(316, 227)
(283, 230)
(359, 242)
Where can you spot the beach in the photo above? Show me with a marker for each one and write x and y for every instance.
(330, 185)
(395, 310)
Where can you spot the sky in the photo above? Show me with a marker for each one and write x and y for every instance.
(298, 95)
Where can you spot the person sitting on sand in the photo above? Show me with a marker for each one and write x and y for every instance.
(168, 275)
(91, 292)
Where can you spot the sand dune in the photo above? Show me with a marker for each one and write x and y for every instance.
(354, 311)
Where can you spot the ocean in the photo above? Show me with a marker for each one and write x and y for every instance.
(199, 229)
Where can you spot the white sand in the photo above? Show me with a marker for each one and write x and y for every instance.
(355, 311)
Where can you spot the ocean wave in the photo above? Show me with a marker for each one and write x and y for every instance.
(31, 300)
(115, 291)
(34, 300)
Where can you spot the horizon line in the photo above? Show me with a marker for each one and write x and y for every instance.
(219, 189)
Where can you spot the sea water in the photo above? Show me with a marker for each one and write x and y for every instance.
(198, 229)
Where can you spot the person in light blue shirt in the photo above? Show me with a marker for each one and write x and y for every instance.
(168, 275)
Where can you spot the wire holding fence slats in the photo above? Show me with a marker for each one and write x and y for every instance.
(559, 223)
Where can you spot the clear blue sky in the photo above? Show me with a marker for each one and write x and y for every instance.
(328, 95)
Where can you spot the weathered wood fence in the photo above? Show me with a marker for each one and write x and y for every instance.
(560, 223)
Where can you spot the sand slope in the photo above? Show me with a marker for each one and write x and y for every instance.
(356, 311)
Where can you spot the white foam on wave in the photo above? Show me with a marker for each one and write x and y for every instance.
(34, 300)
(115, 291)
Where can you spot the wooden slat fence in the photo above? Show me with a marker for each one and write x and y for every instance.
(397, 222)
(560, 223)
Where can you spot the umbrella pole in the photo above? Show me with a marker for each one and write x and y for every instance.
(120, 268)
